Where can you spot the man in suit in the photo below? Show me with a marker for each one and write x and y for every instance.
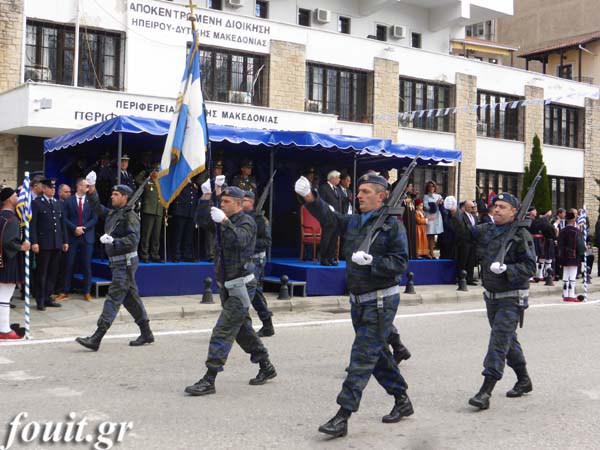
(48, 240)
(81, 222)
(64, 193)
(331, 194)
(464, 226)
(182, 213)
(153, 214)
(345, 183)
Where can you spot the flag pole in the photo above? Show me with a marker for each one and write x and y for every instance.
(27, 268)
(585, 257)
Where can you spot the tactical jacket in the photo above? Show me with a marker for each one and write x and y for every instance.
(263, 231)
(520, 259)
(238, 239)
(389, 251)
(123, 224)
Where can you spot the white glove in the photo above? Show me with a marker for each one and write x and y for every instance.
(498, 268)
(302, 187)
(217, 215)
(205, 187)
(361, 258)
(106, 239)
(331, 208)
(91, 178)
(220, 180)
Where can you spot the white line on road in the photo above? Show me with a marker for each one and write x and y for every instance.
(5, 360)
(292, 324)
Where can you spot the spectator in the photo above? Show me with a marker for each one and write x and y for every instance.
(465, 224)
(597, 239)
(347, 198)
(421, 221)
(432, 201)
(571, 249)
(331, 194)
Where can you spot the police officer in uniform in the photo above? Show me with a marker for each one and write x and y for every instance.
(245, 181)
(152, 219)
(506, 294)
(121, 239)
(126, 177)
(236, 285)
(48, 241)
(182, 212)
(263, 242)
(372, 280)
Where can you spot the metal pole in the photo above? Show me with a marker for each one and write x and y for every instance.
(119, 154)
(354, 185)
(27, 260)
(271, 170)
(76, 50)
(458, 185)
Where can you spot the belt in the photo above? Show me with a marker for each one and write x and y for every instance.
(260, 255)
(247, 279)
(125, 257)
(520, 293)
(370, 296)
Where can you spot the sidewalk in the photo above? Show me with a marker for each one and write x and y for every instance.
(188, 307)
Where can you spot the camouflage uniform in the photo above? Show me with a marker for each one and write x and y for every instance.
(263, 241)
(238, 235)
(125, 226)
(370, 354)
(503, 309)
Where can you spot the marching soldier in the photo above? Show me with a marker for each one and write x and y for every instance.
(245, 181)
(152, 219)
(182, 212)
(121, 238)
(48, 241)
(372, 280)
(236, 287)
(263, 242)
(506, 294)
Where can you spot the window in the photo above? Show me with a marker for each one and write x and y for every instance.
(49, 53)
(215, 4)
(381, 32)
(416, 40)
(563, 192)
(338, 91)
(233, 77)
(262, 9)
(100, 59)
(417, 95)
(482, 30)
(304, 17)
(494, 181)
(561, 126)
(344, 25)
(565, 71)
(498, 119)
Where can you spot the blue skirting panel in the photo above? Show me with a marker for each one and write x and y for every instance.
(156, 279)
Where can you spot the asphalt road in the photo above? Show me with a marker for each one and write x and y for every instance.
(144, 386)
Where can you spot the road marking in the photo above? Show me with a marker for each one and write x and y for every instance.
(5, 360)
(18, 375)
(63, 392)
(294, 324)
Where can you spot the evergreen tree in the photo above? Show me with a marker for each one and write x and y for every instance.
(542, 199)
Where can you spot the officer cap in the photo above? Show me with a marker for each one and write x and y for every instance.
(122, 189)
(246, 163)
(218, 164)
(49, 182)
(125, 157)
(249, 194)
(374, 179)
(508, 198)
(6, 193)
(232, 191)
(105, 155)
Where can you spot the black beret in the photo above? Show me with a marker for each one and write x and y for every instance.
(508, 198)
(50, 182)
(249, 194)
(232, 191)
(374, 179)
(6, 193)
(531, 208)
(122, 189)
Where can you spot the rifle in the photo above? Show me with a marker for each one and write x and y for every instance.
(520, 221)
(131, 202)
(389, 207)
(265, 194)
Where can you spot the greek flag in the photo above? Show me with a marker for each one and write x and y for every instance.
(581, 222)
(184, 155)
(24, 202)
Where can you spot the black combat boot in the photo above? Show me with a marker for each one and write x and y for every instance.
(400, 352)
(146, 336)
(402, 408)
(523, 384)
(266, 372)
(205, 386)
(93, 342)
(267, 328)
(338, 425)
(481, 400)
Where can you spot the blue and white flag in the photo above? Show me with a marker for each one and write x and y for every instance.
(184, 155)
(581, 219)
(24, 202)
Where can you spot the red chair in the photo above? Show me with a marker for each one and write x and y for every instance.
(310, 232)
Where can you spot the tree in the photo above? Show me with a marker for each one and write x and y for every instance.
(542, 199)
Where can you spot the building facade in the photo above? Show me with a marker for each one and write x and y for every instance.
(365, 68)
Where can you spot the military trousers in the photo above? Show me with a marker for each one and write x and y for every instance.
(123, 290)
(504, 347)
(48, 262)
(259, 303)
(234, 324)
(370, 353)
(150, 241)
